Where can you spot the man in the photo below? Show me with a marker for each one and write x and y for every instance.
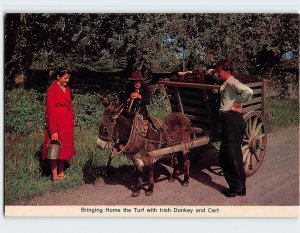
(233, 94)
(136, 95)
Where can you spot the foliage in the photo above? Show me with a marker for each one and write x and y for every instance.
(87, 109)
(24, 111)
(285, 82)
(27, 177)
(160, 105)
(280, 118)
(159, 42)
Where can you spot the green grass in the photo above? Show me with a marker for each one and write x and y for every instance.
(26, 177)
(283, 113)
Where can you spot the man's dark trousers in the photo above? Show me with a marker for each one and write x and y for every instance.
(230, 155)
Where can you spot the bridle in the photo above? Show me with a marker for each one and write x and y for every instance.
(113, 137)
(110, 129)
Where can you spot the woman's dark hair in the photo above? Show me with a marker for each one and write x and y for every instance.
(62, 71)
(226, 65)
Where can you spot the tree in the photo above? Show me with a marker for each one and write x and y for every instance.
(147, 42)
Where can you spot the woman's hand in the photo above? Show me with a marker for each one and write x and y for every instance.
(54, 136)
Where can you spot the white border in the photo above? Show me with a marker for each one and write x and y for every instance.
(190, 6)
(245, 225)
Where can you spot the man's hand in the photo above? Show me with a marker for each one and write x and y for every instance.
(135, 95)
(54, 136)
(237, 108)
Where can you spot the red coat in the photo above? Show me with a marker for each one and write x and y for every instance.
(60, 119)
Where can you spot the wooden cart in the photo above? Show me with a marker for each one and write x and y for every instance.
(200, 103)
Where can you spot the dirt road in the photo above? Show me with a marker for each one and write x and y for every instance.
(275, 183)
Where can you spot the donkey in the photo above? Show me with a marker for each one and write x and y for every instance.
(116, 129)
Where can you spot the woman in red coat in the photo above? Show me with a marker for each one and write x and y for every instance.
(59, 122)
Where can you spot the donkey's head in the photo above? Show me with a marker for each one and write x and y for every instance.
(108, 134)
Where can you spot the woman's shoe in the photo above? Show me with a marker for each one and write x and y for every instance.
(55, 180)
(61, 177)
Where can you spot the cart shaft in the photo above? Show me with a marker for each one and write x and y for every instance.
(158, 154)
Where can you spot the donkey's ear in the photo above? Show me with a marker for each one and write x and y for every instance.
(116, 113)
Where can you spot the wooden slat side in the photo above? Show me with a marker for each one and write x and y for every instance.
(193, 102)
(191, 93)
(191, 85)
(206, 100)
(188, 93)
(252, 108)
(257, 91)
(253, 101)
(174, 107)
(201, 86)
(189, 102)
(256, 84)
(197, 118)
(195, 111)
(177, 94)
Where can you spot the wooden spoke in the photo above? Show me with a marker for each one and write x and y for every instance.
(247, 131)
(261, 136)
(260, 145)
(249, 126)
(247, 160)
(245, 153)
(251, 162)
(257, 128)
(253, 127)
(244, 147)
(246, 140)
(247, 134)
(256, 156)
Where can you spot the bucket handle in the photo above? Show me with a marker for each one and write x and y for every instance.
(54, 140)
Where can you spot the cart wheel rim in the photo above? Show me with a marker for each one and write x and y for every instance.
(254, 142)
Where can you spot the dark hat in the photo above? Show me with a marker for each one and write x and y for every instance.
(136, 76)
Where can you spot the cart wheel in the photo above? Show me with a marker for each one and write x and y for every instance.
(254, 142)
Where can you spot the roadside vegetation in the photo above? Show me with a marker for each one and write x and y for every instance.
(283, 113)
(27, 177)
(102, 50)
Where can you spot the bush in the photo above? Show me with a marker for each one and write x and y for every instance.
(27, 177)
(160, 106)
(284, 85)
(87, 109)
(283, 113)
(24, 111)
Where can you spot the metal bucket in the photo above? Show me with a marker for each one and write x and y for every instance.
(53, 149)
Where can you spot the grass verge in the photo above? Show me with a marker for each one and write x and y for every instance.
(283, 113)
(27, 177)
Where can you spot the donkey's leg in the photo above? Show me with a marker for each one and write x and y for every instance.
(186, 160)
(139, 172)
(150, 166)
(175, 168)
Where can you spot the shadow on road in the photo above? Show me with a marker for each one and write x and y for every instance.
(204, 158)
(123, 175)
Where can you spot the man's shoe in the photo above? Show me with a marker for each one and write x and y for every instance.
(234, 193)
